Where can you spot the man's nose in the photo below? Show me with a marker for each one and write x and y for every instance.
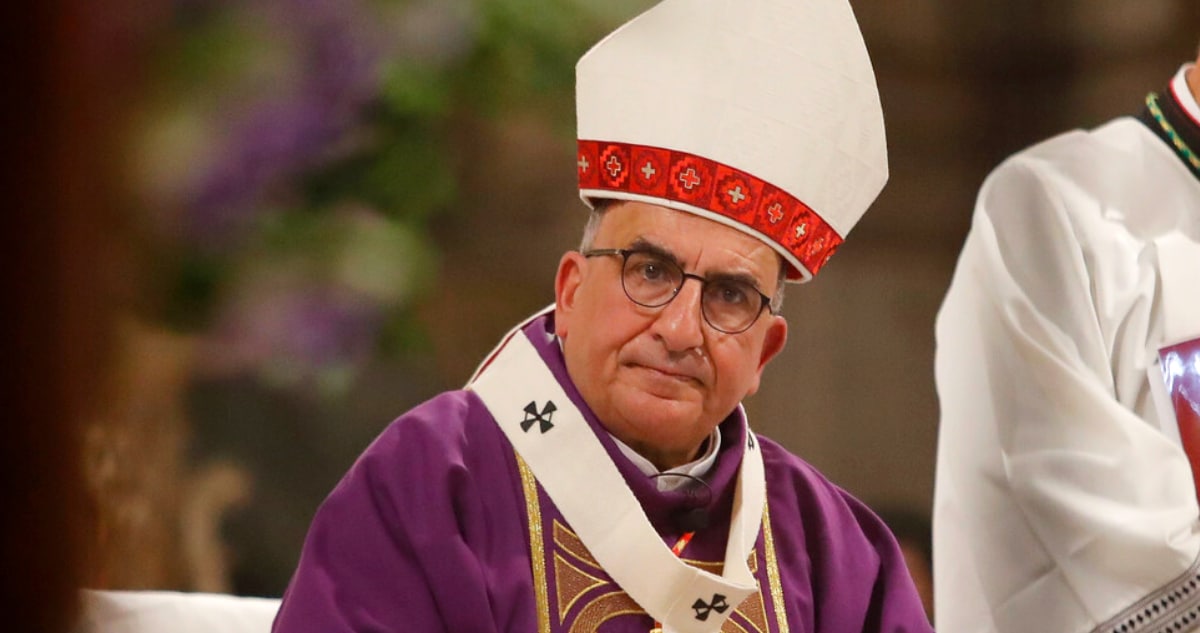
(679, 323)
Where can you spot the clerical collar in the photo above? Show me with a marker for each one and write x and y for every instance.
(693, 469)
(1175, 118)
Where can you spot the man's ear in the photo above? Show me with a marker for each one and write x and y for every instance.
(566, 287)
(773, 343)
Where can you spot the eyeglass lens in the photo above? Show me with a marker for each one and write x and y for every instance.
(730, 305)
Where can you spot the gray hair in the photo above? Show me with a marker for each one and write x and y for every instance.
(593, 227)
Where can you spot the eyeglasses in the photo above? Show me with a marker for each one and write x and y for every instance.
(652, 280)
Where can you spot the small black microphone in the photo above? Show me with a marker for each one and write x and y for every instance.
(691, 519)
(694, 515)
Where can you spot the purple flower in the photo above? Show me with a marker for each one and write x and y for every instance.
(292, 335)
(335, 52)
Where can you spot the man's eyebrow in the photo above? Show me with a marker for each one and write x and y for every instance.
(645, 246)
(742, 277)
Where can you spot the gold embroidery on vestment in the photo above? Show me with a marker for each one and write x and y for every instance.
(773, 571)
(570, 542)
(608, 606)
(572, 584)
(533, 513)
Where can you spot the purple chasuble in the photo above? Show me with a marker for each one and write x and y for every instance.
(439, 527)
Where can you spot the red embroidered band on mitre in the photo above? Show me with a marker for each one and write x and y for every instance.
(712, 186)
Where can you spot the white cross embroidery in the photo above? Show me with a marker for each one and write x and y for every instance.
(689, 178)
(583, 164)
(613, 165)
(736, 194)
(801, 230)
(775, 213)
(648, 170)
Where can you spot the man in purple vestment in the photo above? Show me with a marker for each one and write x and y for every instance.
(598, 473)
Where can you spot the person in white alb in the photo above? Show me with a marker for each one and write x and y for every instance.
(1065, 498)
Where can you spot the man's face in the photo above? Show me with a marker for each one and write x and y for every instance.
(660, 379)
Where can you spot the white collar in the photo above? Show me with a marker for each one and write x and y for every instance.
(696, 468)
(1183, 94)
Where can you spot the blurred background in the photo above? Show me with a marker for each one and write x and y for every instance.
(251, 233)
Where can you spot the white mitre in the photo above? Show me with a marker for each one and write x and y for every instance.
(760, 114)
